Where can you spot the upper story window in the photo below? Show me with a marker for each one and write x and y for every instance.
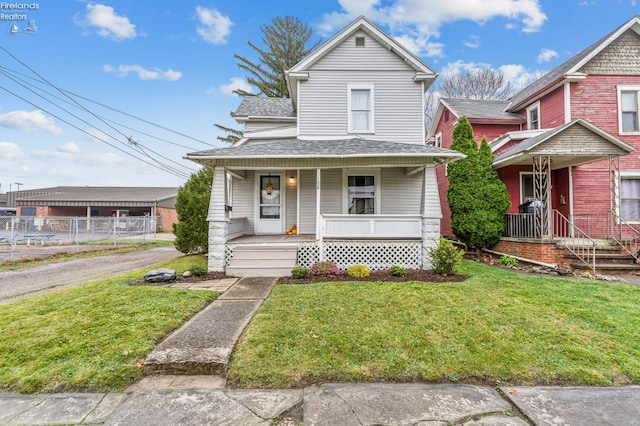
(628, 109)
(361, 111)
(438, 140)
(533, 116)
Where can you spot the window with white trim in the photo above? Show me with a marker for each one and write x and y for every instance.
(361, 191)
(628, 106)
(438, 142)
(526, 187)
(361, 111)
(630, 197)
(533, 116)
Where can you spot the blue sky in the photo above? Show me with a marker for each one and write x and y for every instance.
(123, 89)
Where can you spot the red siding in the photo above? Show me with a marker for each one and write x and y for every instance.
(552, 109)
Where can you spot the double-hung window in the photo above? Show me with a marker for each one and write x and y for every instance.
(362, 191)
(630, 197)
(361, 112)
(533, 116)
(628, 109)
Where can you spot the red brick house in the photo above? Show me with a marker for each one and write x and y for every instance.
(565, 148)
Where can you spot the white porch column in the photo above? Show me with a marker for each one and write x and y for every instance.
(319, 222)
(431, 214)
(218, 221)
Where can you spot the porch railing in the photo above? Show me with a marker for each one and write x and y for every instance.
(625, 234)
(579, 243)
(521, 225)
(371, 226)
(236, 227)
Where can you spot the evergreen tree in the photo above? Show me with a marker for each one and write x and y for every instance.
(285, 44)
(477, 198)
(192, 207)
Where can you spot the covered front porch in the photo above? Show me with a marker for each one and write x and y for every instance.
(351, 201)
(539, 174)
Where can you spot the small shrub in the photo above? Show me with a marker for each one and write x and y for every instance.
(300, 272)
(445, 258)
(508, 261)
(397, 271)
(199, 270)
(358, 271)
(324, 267)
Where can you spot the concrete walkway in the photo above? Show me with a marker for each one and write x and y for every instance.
(334, 404)
(204, 344)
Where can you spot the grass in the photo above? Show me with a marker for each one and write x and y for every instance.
(497, 327)
(29, 262)
(91, 338)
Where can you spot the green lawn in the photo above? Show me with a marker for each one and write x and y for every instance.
(91, 338)
(498, 327)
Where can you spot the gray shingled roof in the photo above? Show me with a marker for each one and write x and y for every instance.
(481, 109)
(292, 148)
(99, 194)
(554, 75)
(260, 106)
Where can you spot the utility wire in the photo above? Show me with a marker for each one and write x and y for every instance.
(172, 169)
(117, 110)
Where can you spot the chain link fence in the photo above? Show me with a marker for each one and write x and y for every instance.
(18, 233)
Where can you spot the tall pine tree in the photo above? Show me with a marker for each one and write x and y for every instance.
(285, 44)
(478, 200)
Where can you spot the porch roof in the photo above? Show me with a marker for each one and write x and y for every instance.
(324, 153)
(572, 144)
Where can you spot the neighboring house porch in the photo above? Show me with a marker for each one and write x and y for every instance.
(541, 224)
(352, 201)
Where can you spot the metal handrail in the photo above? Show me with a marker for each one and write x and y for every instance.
(631, 243)
(580, 244)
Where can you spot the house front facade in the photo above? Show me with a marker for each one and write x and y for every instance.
(339, 171)
(565, 147)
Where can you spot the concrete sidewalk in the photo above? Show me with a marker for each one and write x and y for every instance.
(334, 404)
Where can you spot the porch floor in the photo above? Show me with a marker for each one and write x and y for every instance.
(267, 239)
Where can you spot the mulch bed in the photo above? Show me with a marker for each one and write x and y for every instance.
(381, 275)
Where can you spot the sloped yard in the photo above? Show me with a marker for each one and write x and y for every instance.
(497, 327)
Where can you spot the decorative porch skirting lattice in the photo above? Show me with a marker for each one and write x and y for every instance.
(374, 254)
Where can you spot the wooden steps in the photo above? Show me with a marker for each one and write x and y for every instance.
(609, 260)
(262, 260)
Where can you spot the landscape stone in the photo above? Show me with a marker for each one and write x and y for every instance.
(160, 275)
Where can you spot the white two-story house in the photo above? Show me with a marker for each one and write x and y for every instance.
(343, 162)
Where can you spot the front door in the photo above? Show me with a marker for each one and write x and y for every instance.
(269, 195)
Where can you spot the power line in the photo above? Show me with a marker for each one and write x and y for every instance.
(165, 166)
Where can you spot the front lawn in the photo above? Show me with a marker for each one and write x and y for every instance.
(93, 337)
(497, 327)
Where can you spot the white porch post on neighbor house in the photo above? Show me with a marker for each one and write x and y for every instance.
(431, 214)
(218, 221)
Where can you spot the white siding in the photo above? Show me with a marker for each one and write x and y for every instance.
(401, 194)
(398, 114)
(243, 199)
(346, 56)
(291, 199)
(331, 194)
(307, 202)
(254, 125)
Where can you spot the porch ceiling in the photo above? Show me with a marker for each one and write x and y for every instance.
(572, 144)
(297, 153)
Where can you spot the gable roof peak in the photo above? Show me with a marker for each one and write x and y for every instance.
(570, 67)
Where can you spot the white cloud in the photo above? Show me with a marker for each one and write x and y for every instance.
(235, 83)
(10, 151)
(473, 42)
(69, 147)
(422, 19)
(546, 55)
(421, 46)
(214, 27)
(29, 121)
(143, 73)
(107, 22)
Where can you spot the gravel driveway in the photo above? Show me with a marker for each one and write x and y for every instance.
(28, 282)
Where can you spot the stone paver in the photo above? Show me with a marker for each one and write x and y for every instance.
(578, 405)
(398, 404)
